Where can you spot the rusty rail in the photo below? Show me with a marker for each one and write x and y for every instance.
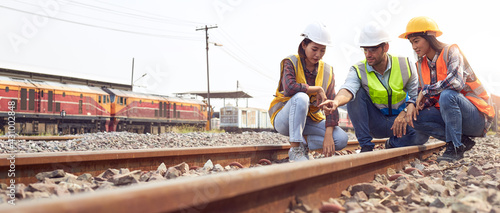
(27, 165)
(261, 189)
(41, 138)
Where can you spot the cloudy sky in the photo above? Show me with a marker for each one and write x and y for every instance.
(98, 39)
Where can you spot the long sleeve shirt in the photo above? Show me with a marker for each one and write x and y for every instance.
(291, 87)
(353, 83)
(454, 79)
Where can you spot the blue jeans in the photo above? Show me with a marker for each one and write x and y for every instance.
(292, 120)
(456, 116)
(369, 122)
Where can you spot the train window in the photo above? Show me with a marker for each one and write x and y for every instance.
(6, 89)
(99, 99)
(41, 93)
(81, 95)
(175, 110)
(152, 102)
(121, 100)
(24, 97)
(164, 109)
(80, 111)
(140, 101)
(168, 110)
(125, 101)
(160, 109)
(31, 102)
(49, 102)
(64, 94)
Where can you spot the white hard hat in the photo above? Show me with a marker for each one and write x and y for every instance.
(318, 33)
(373, 35)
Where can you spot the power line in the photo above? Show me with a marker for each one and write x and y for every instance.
(114, 22)
(106, 28)
(160, 16)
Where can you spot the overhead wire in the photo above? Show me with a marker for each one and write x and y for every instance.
(178, 21)
(104, 27)
(228, 49)
(114, 22)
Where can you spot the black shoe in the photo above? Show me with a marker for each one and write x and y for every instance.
(388, 144)
(366, 148)
(468, 142)
(452, 153)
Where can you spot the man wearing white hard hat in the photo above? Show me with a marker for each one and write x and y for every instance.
(305, 82)
(380, 93)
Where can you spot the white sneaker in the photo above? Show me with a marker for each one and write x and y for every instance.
(298, 153)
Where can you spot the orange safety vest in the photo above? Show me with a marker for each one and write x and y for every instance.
(473, 89)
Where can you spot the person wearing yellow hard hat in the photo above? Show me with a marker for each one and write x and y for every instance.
(305, 82)
(452, 104)
(380, 92)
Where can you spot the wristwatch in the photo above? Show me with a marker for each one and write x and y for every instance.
(405, 109)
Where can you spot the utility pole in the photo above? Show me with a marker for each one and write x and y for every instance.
(132, 78)
(206, 28)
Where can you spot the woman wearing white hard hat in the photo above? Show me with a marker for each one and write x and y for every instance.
(305, 82)
(452, 103)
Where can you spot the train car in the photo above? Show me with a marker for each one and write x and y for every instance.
(53, 108)
(344, 121)
(237, 119)
(146, 113)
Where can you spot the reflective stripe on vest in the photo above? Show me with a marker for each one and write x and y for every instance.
(389, 100)
(323, 79)
(473, 89)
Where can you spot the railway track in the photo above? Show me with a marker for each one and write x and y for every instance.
(41, 138)
(96, 162)
(264, 189)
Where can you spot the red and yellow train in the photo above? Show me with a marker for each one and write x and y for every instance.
(43, 107)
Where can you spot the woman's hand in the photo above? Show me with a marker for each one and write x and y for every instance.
(329, 106)
(420, 101)
(328, 143)
(320, 96)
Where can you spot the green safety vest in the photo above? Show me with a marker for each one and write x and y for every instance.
(389, 100)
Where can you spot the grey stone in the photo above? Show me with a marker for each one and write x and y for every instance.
(124, 179)
(475, 171)
(109, 173)
(53, 174)
(437, 203)
(162, 169)
(172, 173)
(85, 177)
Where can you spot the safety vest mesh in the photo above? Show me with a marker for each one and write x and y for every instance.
(323, 79)
(391, 100)
(473, 89)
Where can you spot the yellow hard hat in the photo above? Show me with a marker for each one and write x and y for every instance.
(421, 24)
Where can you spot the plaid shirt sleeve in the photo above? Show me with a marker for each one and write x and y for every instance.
(289, 83)
(455, 76)
(332, 119)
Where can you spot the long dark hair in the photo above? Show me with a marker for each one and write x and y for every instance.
(433, 42)
(302, 52)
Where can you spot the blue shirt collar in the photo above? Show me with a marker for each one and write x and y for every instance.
(389, 65)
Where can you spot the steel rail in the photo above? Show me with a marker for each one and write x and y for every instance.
(40, 138)
(260, 189)
(27, 165)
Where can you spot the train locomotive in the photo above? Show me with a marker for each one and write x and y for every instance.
(45, 107)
